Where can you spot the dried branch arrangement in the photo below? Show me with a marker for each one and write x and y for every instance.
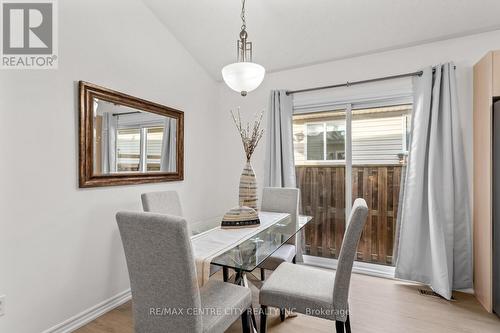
(250, 136)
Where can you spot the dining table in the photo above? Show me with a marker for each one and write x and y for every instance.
(241, 250)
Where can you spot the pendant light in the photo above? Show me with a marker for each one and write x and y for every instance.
(244, 75)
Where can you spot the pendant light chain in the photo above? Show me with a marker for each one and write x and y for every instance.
(244, 75)
(243, 21)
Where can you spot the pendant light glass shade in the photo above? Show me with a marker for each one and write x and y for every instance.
(243, 77)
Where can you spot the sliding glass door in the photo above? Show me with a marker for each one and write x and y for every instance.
(319, 141)
(379, 150)
(341, 155)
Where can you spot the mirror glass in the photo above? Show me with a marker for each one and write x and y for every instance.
(128, 140)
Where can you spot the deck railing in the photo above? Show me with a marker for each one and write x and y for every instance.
(323, 197)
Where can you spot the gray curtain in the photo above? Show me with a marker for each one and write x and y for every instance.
(435, 237)
(109, 126)
(168, 161)
(280, 162)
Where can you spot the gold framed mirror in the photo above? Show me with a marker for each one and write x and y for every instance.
(127, 140)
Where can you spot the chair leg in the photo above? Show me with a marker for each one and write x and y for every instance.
(339, 326)
(348, 325)
(225, 273)
(252, 317)
(282, 315)
(245, 323)
(262, 274)
(263, 318)
(238, 278)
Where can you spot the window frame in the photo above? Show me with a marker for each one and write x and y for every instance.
(376, 97)
(349, 108)
(143, 131)
(324, 160)
(140, 146)
(146, 130)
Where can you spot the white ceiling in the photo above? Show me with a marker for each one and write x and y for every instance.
(294, 33)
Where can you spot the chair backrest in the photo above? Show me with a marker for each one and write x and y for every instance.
(162, 272)
(282, 200)
(164, 202)
(357, 221)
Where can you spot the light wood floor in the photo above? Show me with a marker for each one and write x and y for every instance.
(377, 305)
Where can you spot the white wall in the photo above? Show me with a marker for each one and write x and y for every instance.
(60, 251)
(465, 52)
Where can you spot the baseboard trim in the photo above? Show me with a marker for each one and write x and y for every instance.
(467, 291)
(382, 271)
(90, 314)
(358, 267)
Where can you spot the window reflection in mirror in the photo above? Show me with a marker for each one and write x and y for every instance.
(128, 140)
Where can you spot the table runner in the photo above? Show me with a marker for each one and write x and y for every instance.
(211, 243)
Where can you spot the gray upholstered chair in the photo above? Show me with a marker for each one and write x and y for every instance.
(313, 291)
(168, 202)
(282, 200)
(164, 202)
(163, 280)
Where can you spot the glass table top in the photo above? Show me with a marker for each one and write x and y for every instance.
(252, 252)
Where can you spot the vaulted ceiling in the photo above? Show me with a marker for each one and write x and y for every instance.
(294, 33)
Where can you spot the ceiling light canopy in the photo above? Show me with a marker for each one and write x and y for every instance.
(244, 75)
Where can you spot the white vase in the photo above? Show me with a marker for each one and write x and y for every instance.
(248, 187)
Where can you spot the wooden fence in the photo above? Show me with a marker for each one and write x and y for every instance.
(323, 197)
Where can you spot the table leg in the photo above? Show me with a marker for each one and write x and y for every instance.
(252, 315)
(241, 279)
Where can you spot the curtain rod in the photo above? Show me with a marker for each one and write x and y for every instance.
(125, 113)
(348, 84)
